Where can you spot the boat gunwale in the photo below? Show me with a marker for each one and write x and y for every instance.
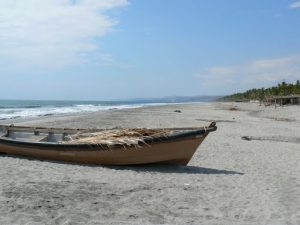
(84, 146)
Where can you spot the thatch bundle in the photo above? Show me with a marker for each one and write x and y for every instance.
(125, 137)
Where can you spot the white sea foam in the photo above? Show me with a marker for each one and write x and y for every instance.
(27, 109)
(11, 113)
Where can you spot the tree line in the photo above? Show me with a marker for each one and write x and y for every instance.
(260, 94)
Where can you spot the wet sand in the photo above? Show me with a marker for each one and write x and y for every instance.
(247, 172)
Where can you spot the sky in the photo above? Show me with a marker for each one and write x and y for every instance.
(122, 49)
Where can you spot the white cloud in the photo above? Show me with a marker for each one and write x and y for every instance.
(258, 73)
(294, 5)
(53, 32)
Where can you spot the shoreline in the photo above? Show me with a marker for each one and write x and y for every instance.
(176, 110)
(79, 114)
(74, 119)
(230, 180)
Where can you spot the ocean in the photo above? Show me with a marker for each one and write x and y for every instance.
(14, 109)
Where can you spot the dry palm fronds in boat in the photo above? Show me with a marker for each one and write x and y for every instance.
(126, 137)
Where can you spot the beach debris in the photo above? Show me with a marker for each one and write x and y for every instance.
(272, 138)
(247, 138)
(281, 119)
(234, 108)
(218, 121)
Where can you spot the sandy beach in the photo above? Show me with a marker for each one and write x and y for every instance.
(247, 172)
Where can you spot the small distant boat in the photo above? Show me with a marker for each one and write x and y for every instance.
(104, 147)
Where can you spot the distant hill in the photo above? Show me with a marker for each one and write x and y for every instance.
(174, 99)
(282, 89)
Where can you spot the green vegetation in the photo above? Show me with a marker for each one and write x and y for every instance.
(260, 94)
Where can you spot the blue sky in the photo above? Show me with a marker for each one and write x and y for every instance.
(120, 49)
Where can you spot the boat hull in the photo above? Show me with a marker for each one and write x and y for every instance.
(170, 152)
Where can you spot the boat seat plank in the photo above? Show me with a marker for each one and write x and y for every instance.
(35, 138)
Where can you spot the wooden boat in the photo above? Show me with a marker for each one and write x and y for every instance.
(176, 146)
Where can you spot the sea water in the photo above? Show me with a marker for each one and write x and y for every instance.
(13, 109)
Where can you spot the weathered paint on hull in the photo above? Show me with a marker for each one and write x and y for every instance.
(172, 152)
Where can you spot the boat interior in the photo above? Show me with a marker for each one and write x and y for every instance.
(56, 135)
(35, 134)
